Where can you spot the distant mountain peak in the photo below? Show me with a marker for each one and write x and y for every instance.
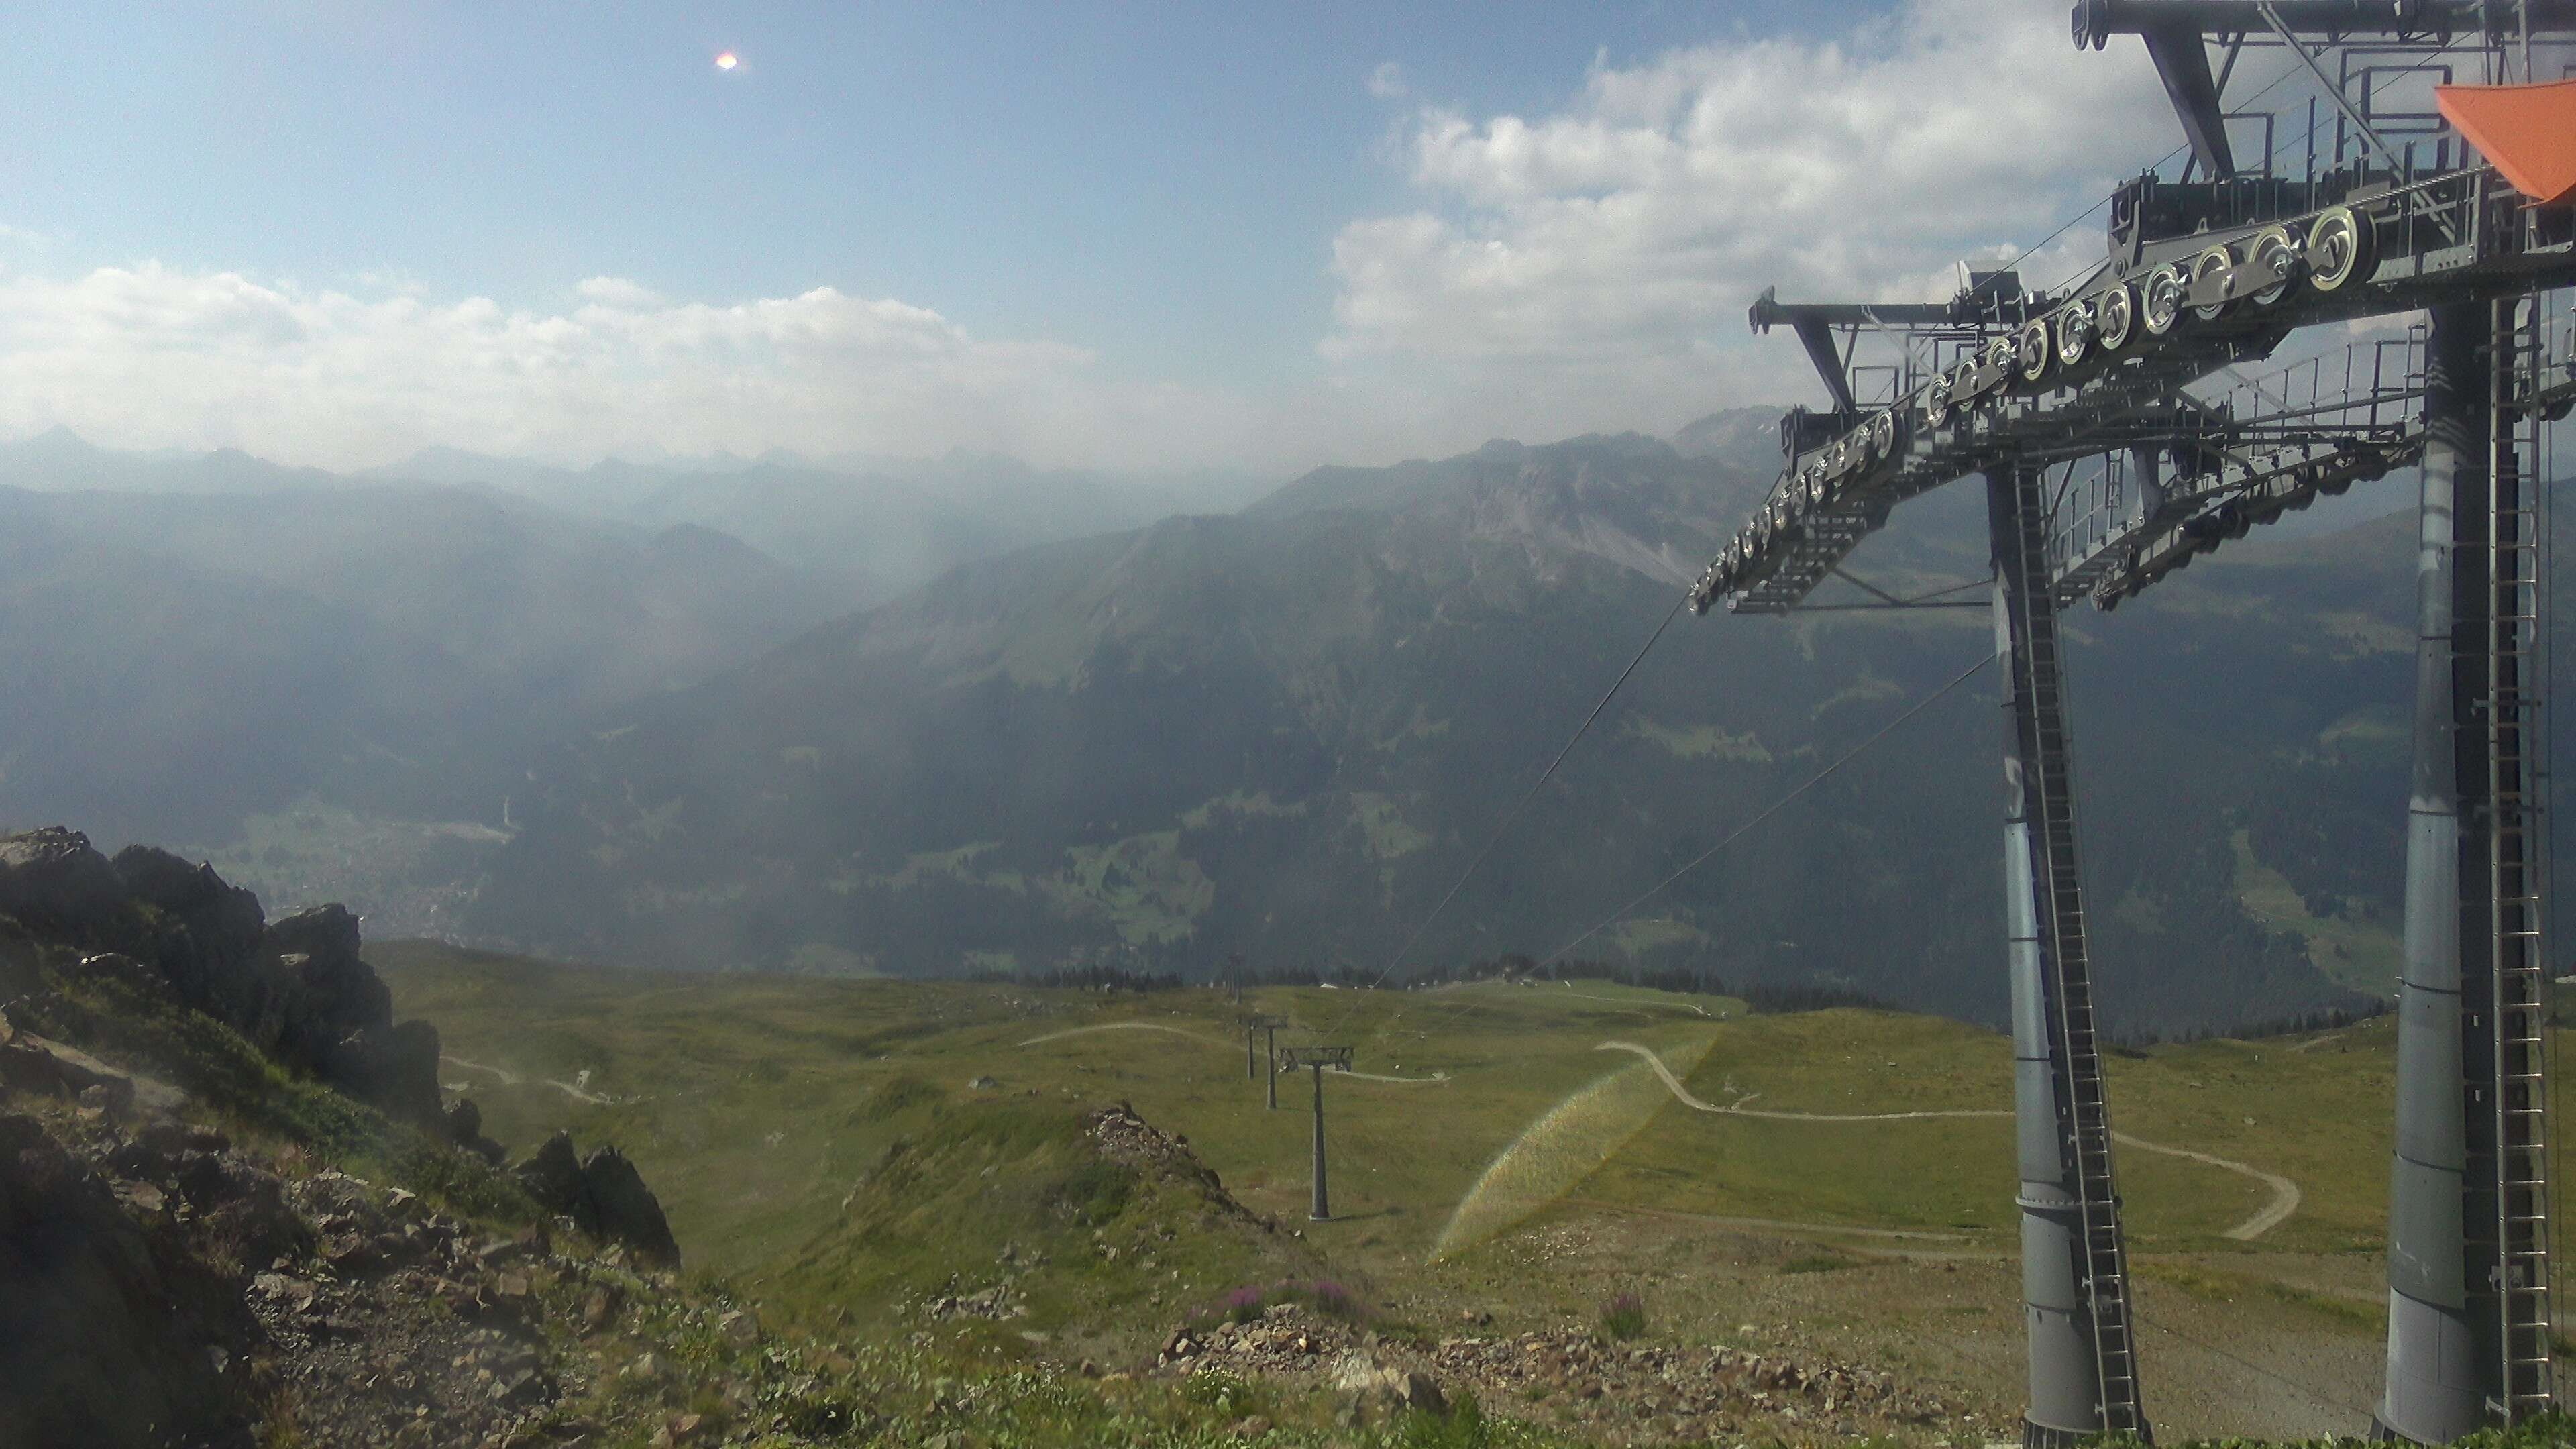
(1731, 433)
(56, 442)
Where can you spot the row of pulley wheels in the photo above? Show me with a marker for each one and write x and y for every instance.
(2334, 249)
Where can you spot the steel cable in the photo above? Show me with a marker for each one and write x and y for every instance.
(1512, 816)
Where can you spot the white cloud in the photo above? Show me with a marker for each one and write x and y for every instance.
(1579, 270)
(1387, 81)
(149, 356)
(1591, 267)
(617, 292)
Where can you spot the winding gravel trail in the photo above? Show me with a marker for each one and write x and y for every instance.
(509, 1078)
(1206, 1040)
(1126, 1026)
(2285, 1193)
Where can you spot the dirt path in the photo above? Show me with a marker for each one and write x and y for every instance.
(1212, 1041)
(1125, 1026)
(2285, 1193)
(1778, 1225)
(1738, 1109)
(509, 1078)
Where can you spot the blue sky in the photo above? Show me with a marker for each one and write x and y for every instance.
(1254, 230)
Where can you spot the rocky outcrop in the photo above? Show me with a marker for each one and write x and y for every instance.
(160, 1285)
(53, 883)
(210, 946)
(393, 1066)
(604, 1196)
(109, 1334)
(296, 987)
(553, 1175)
(330, 992)
(464, 1125)
(624, 1210)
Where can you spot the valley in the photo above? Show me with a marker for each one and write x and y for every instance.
(1505, 1159)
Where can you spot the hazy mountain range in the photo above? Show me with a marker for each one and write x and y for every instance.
(1282, 731)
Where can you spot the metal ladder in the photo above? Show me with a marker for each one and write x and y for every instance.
(2517, 1092)
(2086, 1130)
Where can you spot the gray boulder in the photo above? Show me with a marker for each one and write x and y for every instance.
(1371, 1392)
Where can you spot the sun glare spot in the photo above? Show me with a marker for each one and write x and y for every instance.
(727, 61)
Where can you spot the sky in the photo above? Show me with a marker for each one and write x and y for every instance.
(1136, 236)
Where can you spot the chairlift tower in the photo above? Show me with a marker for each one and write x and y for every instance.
(1316, 1058)
(1257, 1025)
(2109, 462)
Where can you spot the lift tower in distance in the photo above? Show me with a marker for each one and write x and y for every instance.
(1257, 1025)
(1317, 1058)
(2435, 178)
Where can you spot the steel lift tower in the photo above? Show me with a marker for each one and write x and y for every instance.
(2439, 184)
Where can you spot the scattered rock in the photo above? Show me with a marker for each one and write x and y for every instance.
(1371, 1392)
(105, 1328)
(599, 1309)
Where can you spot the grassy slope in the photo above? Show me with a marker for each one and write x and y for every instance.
(747, 1100)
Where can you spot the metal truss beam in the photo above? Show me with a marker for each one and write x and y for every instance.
(2182, 62)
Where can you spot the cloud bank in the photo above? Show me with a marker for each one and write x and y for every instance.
(1592, 267)
(148, 356)
(1581, 269)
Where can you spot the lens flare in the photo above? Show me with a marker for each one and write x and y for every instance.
(727, 61)
(1562, 1148)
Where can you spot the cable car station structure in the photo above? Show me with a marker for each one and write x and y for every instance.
(2117, 438)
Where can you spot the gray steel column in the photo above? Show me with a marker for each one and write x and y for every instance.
(2437, 1385)
(1251, 1065)
(2148, 465)
(1323, 1209)
(2065, 1376)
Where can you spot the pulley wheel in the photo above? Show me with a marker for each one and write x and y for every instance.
(2341, 246)
(2273, 253)
(2032, 351)
(2115, 317)
(2213, 264)
(2160, 301)
(2074, 332)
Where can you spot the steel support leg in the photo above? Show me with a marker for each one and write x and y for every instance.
(2435, 1390)
(1323, 1207)
(2468, 1342)
(2083, 1369)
